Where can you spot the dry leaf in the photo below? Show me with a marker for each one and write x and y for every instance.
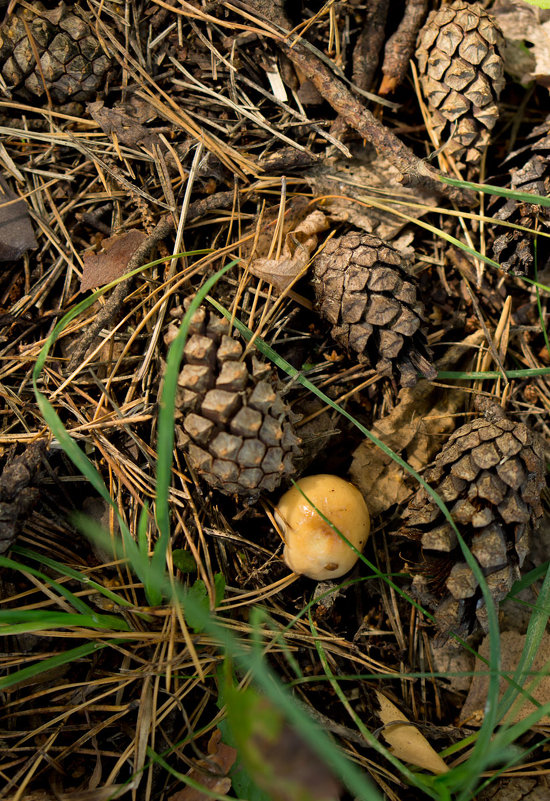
(297, 249)
(111, 263)
(125, 121)
(406, 742)
(415, 429)
(511, 645)
(211, 773)
(16, 233)
(526, 29)
(368, 174)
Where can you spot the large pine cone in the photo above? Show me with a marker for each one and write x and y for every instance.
(514, 249)
(364, 290)
(490, 474)
(240, 432)
(18, 496)
(72, 65)
(462, 75)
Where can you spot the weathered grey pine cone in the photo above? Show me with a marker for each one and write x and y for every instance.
(364, 290)
(18, 496)
(236, 427)
(73, 65)
(462, 75)
(490, 474)
(514, 249)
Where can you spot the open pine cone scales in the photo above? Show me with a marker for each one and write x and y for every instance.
(239, 431)
(363, 289)
(462, 76)
(490, 474)
(513, 248)
(71, 63)
(18, 495)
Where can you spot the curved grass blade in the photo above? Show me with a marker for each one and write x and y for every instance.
(165, 444)
(52, 662)
(489, 189)
(481, 750)
(77, 603)
(65, 570)
(42, 619)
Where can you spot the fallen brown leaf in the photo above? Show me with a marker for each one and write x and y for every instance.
(16, 232)
(406, 742)
(415, 429)
(368, 174)
(526, 30)
(211, 773)
(297, 249)
(511, 646)
(126, 123)
(111, 263)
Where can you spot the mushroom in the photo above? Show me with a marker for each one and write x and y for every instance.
(312, 547)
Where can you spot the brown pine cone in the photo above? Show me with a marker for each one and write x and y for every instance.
(490, 474)
(363, 289)
(462, 76)
(73, 65)
(240, 432)
(17, 495)
(514, 249)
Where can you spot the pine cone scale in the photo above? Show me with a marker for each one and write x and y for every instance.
(491, 474)
(363, 289)
(462, 74)
(240, 431)
(72, 65)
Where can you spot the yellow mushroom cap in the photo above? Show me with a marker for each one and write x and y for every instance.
(312, 547)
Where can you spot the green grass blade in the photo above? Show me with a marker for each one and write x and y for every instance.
(51, 418)
(42, 619)
(480, 753)
(65, 570)
(535, 631)
(411, 777)
(52, 662)
(489, 189)
(474, 375)
(267, 680)
(529, 578)
(165, 443)
(76, 603)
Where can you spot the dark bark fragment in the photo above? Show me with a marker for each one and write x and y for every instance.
(400, 46)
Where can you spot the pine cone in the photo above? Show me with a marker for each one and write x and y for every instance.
(513, 249)
(240, 432)
(462, 76)
(17, 495)
(363, 289)
(72, 65)
(490, 474)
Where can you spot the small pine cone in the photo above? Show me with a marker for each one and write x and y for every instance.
(240, 432)
(17, 493)
(491, 475)
(73, 65)
(363, 289)
(513, 249)
(462, 75)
